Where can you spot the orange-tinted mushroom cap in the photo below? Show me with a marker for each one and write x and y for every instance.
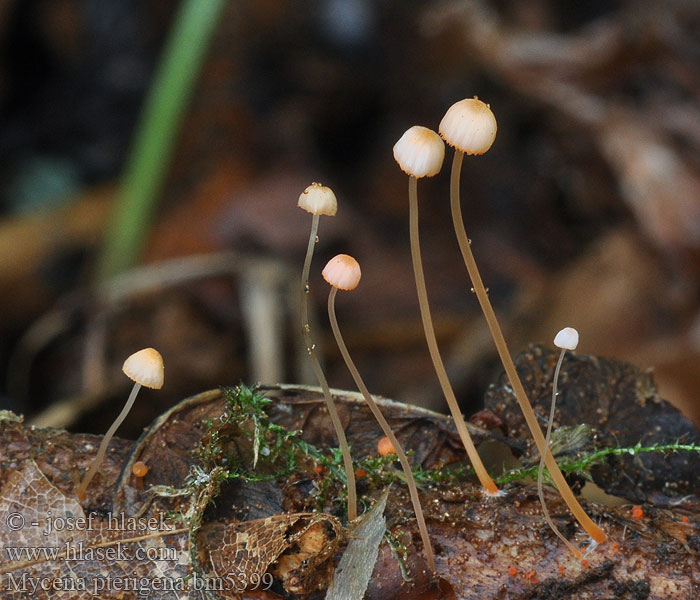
(342, 272)
(146, 368)
(420, 152)
(469, 125)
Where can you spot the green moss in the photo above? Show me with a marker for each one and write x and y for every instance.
(275, 452)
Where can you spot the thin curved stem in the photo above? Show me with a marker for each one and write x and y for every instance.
(303, 303)
(588, 525)
(386, 428)
(449, 394)
(540, 470)
(323, 382)
(99, 457)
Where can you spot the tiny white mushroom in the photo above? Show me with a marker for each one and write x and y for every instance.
(566, 339)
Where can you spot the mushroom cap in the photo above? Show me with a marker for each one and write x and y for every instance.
(342, 272)
(469, 126)
(567, 339)
(384, 447)
(145, 367)
(140, 469)
(318, 200)
(420, 152)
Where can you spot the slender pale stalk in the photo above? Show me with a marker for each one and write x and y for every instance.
(386, 428)
(540, 471)
(99, 457)
(482, 295)
(449, 394)
(323, 382)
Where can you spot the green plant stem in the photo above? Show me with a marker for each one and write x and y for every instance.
(482, 295)
(154, 142)
(486, 481)
(99, 457)
(323, 382)
(581, 465)
(386, 428)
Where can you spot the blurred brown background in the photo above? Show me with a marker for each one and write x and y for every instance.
(585, 212)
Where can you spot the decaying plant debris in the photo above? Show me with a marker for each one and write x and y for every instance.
(230, 516)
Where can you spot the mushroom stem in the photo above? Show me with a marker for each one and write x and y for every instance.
(305, 326)
(585, 521)
(323, 382)
(481, 473)
(540, 470)
(386, 428)
(99, 457)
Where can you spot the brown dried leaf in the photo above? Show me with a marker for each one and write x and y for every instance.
(295, 548)
(52, 549)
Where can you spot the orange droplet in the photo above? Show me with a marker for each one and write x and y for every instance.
(360, 473)
(637, 512)
(685, 518)
(585, 564)
(318, 469)
(512, 571)
(384, 447)
(532, 577)
(616, 547)
(140, 469)
(562, 569)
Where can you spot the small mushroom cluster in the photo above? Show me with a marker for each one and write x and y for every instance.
(343, 272)
(470, 127)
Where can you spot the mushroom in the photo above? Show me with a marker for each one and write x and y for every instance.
(320, 200)
(139, 470)
(470, 126)
(144, 368)
(420, 152)
(385, 447)
(566, 339)
(343, 273)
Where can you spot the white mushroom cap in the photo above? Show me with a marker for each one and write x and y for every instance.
(342, 272)
(318, 200)
(469, 126)
(145, 367)
(567, 338)
(420, 152)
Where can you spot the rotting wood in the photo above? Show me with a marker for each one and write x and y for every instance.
(486, 548)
